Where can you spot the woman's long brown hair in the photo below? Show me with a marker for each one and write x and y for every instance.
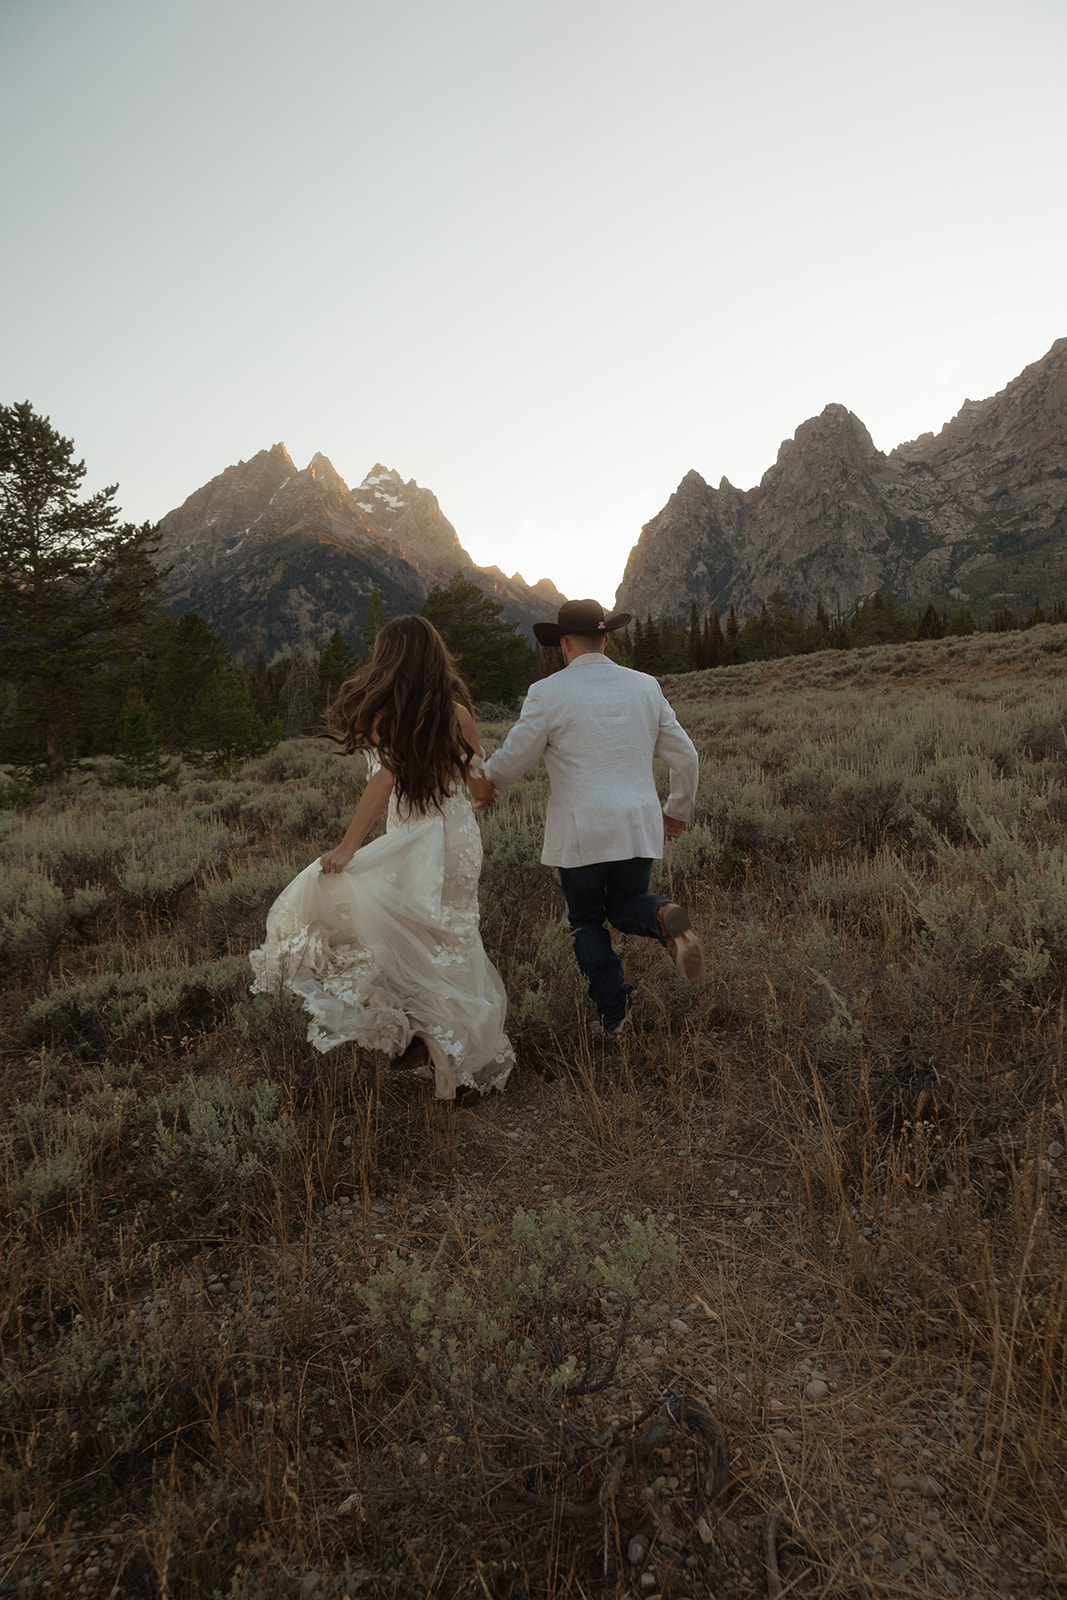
(404, 701)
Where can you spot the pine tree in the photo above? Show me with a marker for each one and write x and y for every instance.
(142, 761)
(714, 643)
(929, 625)
(962, 623)
(225, 728)
(637, 649)
(651, 648)
(672, 647)
(187, 654)
(78, 591)
(731, 653)
(336, 663)
(694, 644)
(491, 652)
(377, 617)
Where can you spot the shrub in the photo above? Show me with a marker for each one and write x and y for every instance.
(36, 916)
(216, 1137)
(59, 1152)
(130, 1386)
(122, 1007)
(236, 907)
(164, 859)
(507, 1365)
(18, 789)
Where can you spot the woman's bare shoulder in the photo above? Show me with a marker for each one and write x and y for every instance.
(468, 727)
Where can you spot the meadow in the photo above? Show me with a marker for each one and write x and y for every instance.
(769, 1299)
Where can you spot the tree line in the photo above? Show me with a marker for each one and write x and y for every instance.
(663, 647)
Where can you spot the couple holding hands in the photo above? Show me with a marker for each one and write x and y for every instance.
(382, 943)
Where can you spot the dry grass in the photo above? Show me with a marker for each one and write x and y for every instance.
(854, 1132)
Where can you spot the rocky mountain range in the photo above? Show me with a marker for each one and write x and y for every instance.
(975, 515)
(273, 557)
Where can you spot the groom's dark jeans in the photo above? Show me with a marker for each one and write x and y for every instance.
(616, 892)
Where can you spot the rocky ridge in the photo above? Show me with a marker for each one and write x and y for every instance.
(273, 557)
(974, 515)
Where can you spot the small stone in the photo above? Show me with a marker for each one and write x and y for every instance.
(679, 1326)
(217, 1287)
(928, 1487)
(1055, 1150)
(637, 1550)
(901, 1480)
(816, 1390)
(704, 1532)
(647, 1582)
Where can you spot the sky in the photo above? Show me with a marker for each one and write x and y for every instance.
(544, 257)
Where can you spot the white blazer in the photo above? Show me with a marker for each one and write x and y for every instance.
(598, 725)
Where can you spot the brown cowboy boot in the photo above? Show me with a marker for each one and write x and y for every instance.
(683, 945)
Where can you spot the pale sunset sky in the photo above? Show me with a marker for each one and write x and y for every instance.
(544, 258)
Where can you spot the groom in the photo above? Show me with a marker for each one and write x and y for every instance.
(598, 725)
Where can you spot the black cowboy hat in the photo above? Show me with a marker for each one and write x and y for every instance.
(582, 617)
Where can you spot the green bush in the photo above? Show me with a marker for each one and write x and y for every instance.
(121, 1007)
(554, 1326)
(216, 1136)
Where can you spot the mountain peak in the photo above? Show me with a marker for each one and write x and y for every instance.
(273, 557)
(322, 469)
(974, 515)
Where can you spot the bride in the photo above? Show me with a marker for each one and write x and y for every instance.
(381, 943)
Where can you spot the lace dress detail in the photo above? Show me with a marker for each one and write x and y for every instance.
(390, 948)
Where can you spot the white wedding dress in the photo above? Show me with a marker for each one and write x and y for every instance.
(389, 948)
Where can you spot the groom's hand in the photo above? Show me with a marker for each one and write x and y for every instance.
(672, 827)
(482, 793)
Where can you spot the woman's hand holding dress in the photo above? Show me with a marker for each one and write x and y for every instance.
(335, 860)
(372, 803)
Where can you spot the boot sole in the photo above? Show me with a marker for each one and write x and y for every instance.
(685, 947)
